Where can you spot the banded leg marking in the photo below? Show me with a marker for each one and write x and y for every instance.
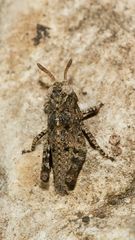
(35, 142)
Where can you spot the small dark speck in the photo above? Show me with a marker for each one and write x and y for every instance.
(112, 201)
(101, 215)
(84, 93)
(43, 84)
(85, 219)
(79, 214)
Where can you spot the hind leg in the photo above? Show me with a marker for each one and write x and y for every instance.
(78, 160)
(46, 165)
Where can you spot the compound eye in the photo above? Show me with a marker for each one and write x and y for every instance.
(46, 108)
(72, 99)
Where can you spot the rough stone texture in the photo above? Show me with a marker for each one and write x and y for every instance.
(100, 38)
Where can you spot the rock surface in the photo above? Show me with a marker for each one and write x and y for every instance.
(100, 38)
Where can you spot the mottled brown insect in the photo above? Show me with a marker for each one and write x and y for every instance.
(65, 147)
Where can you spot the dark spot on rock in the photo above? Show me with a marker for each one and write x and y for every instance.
(85, 219)
(43, 84)
(84, 93)
(42, 32)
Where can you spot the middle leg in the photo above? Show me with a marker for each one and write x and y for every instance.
(92, 141)
(35, 141)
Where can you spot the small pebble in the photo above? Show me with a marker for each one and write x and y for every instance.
(116, 150)
(114, 139)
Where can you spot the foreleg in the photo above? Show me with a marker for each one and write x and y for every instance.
(92, 111)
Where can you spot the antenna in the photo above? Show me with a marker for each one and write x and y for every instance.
(46, 71)
(66, 69)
